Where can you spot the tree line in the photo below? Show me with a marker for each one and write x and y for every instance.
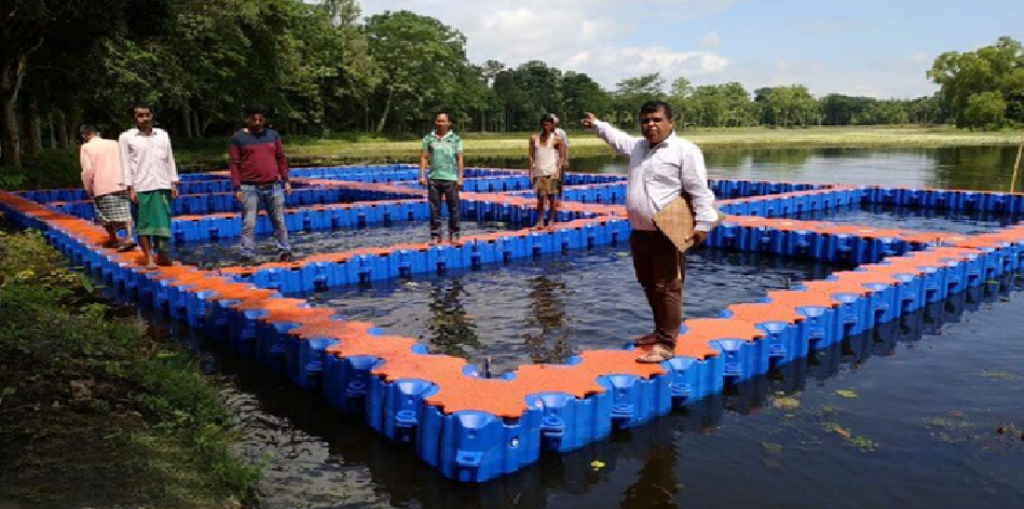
(322, 69)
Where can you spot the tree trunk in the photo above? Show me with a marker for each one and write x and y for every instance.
(74, 121)
(186, 117)
(11, 143)
(53, 134)
(384, 116)
(62, 133)
(197, 126)
(35, 130)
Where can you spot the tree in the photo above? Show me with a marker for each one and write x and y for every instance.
(631, 93)
(787, 106)
(341, 13)
(998, 69)
(985, 110)
(581, 95)
(725, 105)
(420, 60)
(679, 99)
(54, 27)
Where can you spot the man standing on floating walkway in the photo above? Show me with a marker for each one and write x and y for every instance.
(565, 165)
(662, 167)
(546, 158)
(101, 179)
(442, 149)
(259, 174)
(151, 176)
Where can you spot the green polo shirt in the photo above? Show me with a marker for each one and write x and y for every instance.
(444, 165)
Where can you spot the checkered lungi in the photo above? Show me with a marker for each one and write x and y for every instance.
(113, 208)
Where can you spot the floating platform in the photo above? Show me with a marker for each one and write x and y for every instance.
(473, 428)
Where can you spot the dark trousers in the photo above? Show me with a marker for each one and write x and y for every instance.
(661, 270)
(449, 190)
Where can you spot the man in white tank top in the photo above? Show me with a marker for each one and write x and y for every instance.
(547, 156)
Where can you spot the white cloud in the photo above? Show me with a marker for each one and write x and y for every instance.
(612, 40)
(590, 36)
(711, 40)
(614, 64)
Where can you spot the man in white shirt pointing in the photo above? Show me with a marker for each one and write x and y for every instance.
(662, 167)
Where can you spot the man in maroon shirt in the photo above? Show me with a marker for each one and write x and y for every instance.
(259, 173)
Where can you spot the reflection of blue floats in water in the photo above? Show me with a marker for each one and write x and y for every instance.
(226, 251)
(546, 309)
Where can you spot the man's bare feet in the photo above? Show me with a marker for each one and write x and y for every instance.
(163, 260)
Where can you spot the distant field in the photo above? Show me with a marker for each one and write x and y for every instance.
(370, 148)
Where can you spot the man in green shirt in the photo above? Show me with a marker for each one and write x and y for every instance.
(442, 149)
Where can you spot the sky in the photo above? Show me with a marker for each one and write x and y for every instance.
(879, 48)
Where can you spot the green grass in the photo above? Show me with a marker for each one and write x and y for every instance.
(96, 408)
(59, 168)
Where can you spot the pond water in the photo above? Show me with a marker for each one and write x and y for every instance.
(923, 413)
(982, 168)
(547, 309)
(227, 252)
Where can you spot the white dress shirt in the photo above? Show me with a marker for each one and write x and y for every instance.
(659, 174)
(147, 162)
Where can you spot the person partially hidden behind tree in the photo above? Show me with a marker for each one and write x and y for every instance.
(565, 165)
(151, 176)
(101, 179)
(546, 159)
(442, 149)
(662, 167)
(259, 174)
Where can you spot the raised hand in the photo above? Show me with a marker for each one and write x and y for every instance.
(588, 120)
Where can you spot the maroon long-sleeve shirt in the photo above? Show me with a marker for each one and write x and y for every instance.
(257, 159)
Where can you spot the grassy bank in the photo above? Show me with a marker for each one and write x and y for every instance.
(96, 410)
(59, 168)
(369, 148)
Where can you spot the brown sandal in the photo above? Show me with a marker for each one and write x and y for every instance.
(657, 354)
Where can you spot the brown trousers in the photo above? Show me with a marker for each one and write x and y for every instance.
(661, 270)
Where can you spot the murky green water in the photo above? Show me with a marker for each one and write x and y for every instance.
(923, 413)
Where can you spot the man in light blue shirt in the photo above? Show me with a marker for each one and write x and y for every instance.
(442, 149)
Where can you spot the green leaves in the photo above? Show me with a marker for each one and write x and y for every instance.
(982, 88)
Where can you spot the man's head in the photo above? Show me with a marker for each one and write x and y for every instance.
(656, 121)
(555, 118)
(548, 123)
(442, 122)
(88, 132)
(142, 115)
(255, 118)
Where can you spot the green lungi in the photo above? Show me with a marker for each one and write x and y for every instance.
(154, 213)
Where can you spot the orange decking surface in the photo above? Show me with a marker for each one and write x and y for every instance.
(507, 398)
